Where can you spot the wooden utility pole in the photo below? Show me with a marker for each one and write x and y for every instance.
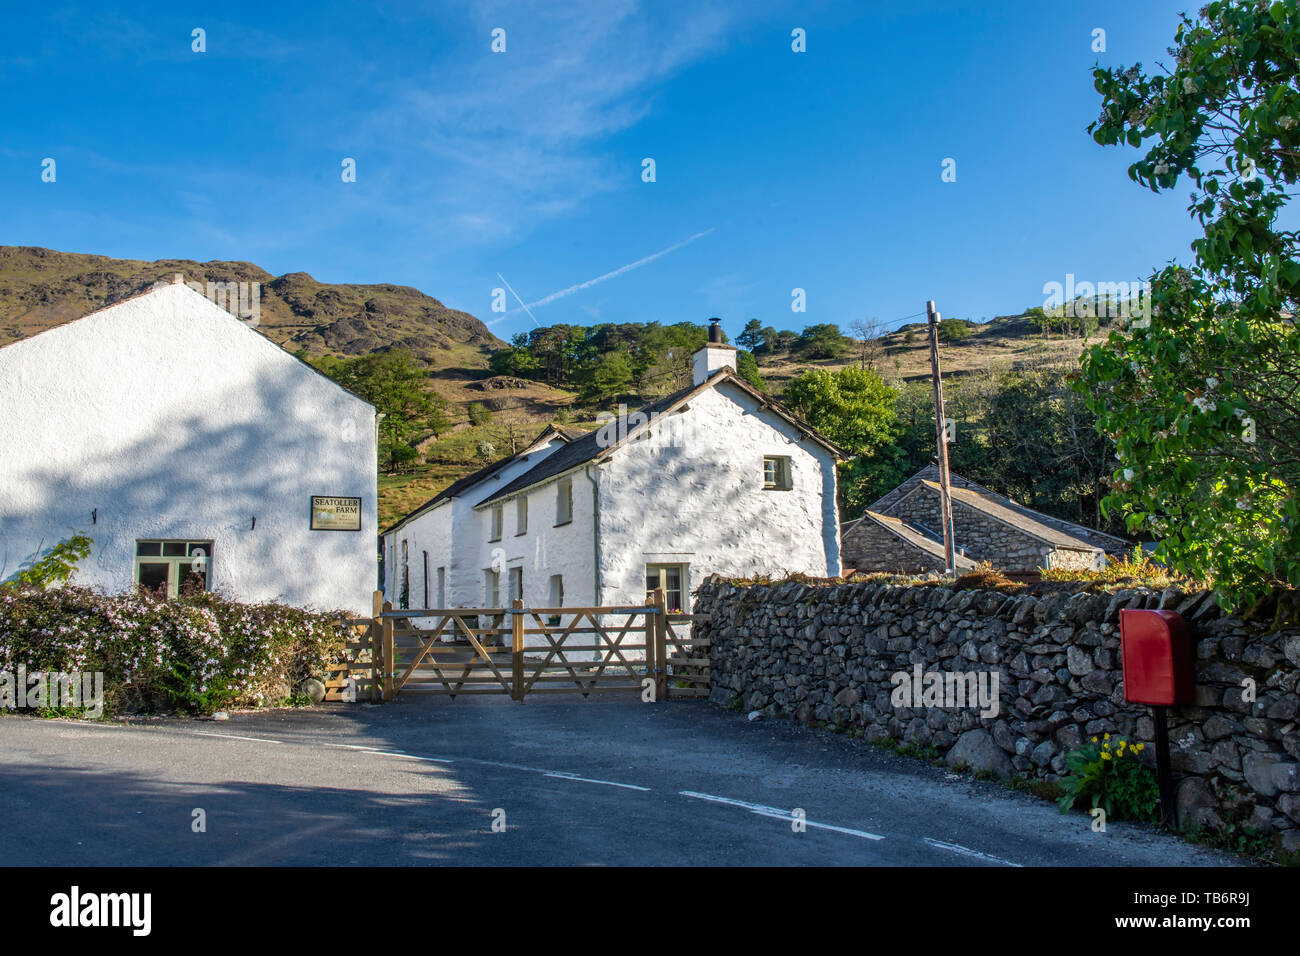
(945, 490)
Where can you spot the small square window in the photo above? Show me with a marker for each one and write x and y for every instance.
(776, 473)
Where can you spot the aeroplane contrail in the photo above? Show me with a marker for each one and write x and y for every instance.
(617, 272)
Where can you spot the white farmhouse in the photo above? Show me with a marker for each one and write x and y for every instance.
(716, 478)
(194, 451)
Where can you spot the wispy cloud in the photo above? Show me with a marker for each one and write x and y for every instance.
(501, 143)
(563, 293)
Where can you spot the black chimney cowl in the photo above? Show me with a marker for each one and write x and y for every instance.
(715, 330)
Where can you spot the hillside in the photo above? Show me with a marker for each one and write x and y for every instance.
(41, 288)
(1010, 342)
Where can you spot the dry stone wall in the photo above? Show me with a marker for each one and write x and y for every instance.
(827, 653)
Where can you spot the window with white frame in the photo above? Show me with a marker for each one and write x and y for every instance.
(521, 515)
(673, 579)
(492, 588)
(563, 501)
(442, 587)
(497, 519)
(516, 584)
(776, 473)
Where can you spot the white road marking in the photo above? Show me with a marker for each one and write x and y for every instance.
(260, 740)
(967, 851)
(779, 814)
(398, 753)
(608, 783)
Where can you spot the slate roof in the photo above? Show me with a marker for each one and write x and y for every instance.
(461, 485)
(588, 447)
(1019, 518)
(917, 538)
(1006, 510)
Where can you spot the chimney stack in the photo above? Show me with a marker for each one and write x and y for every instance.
(714, 356)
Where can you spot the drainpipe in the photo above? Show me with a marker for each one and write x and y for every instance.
(595, 524)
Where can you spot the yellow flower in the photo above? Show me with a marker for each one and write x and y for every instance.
(1094, 740)
(1138, 746)
(1105, 756)
(1108, 736)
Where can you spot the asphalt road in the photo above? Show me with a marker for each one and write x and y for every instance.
(567, 781)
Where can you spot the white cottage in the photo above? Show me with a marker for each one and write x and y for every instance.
(194, 452)
(716, 478)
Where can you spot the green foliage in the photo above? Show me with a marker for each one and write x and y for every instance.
(609, 376)
(747, 368)
(518, 362)
(1037, 442)
(751, 337)
(1138, 569)
(822, 341)
(399, 389)
(479, 414)
(1112, 777)
(852, 407)
(197, 653)
(57, 565)
(1198, 394)
(953, 330)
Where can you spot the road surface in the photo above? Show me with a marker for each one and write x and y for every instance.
(556, 780)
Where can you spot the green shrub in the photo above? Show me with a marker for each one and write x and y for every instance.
(1111, 777)
(197, 653)
(57, 565)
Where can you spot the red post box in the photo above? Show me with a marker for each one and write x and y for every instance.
(1159, 658)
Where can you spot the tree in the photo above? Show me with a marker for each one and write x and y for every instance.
(953, 330)
(867, 333)
(609, 377)
(747, 368)
(751, 337)
(479, 414)
(821, 341)
(399, 390)
(1200, 394)
(855, 409)
(518, 362)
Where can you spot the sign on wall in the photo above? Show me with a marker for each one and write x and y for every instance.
(335, 514)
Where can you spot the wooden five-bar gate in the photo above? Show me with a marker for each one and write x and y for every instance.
(522, 650)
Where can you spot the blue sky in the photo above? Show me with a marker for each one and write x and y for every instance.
(775, 170)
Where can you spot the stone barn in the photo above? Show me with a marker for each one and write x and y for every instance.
(901, 532)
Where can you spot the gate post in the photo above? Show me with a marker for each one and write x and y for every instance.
(387, 631)
(376, 649)
(661, 644)
(517, 650)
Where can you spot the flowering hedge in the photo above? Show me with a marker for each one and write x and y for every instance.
(197, 653)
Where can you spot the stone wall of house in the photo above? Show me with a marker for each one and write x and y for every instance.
(869, 546)
(985, 539)
(826, 653)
